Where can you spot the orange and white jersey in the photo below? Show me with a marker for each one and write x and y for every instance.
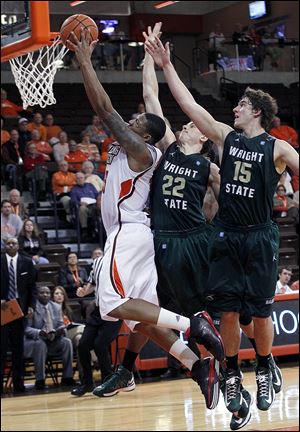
(126, 192)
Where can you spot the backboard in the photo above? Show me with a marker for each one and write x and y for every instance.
(25, 27)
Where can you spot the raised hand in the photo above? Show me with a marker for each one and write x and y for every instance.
(84, 47)
(160, 53)
(152, 33)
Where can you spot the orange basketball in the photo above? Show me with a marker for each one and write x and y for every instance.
(74, 24)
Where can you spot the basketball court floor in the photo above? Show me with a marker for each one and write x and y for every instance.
(157, 406)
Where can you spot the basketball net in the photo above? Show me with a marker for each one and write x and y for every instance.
(34, 73)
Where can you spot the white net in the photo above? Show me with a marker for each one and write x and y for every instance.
(34, 74)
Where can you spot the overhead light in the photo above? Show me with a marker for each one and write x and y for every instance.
(75, 3)
(164, 4)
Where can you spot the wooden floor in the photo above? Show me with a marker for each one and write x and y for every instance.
(158, 406)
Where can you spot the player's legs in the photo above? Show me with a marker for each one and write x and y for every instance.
(199, 327)
(224, 296)
(261, 275)
(204, 372)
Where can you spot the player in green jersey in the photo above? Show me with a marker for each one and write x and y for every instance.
(244, 247)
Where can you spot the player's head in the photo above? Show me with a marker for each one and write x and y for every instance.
(255, 104)
(149, 126)
(191, 136)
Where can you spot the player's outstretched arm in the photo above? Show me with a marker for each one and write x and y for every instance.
(150, 89)
(139, 157)
(214, 130)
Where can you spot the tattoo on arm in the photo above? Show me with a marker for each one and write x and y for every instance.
(129, 140)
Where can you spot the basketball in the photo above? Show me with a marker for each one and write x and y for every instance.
(74, 24)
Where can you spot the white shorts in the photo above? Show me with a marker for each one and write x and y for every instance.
(128, 269)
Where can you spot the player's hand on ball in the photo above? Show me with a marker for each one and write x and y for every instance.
(84, 47)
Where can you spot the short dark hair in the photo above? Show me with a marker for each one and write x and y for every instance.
(4, 202)
(156, 127)
(265, 102)
(288, 268)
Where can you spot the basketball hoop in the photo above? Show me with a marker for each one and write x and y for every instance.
(34, 73)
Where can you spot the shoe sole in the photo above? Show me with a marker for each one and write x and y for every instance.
(113, 393)
(205, 315)
(244, 423)
(214, 368)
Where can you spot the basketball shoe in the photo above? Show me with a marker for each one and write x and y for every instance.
(120, 381)
(244, 414)
(276, 375)
(204, 332)
(206, 374)
(265, 389)
(232, 390)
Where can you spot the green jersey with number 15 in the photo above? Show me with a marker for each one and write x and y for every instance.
(248, 180)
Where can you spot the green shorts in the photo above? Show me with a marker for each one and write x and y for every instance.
(182, 267)
(243, 269)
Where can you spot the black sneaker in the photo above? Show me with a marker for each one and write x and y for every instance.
(204, 332)
(82, 389)
(265, 389)
(206, 373)
(244, 414)
(171, 373)
(232, 390)
(276, 375)
(122, 380)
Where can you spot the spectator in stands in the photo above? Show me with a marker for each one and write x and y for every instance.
(96, 131)
(42, 147)
(24, 134)
(272, 47)
(285, 206)
(36, 170)
(20, 287)
(256, 48)
(140, 110)
(75, 157)
(37, 124)
(74, 333)
(284, 132)
(45, 334)
(94, 179)
(282, 286)
(84, 195)
(72, 276)
(295, 285)
(31, 243)
(13, 158)
(240, 38)
(11, 224)
(215, 47)
(61, 148)
(104, 154)
(62, 183)
(17, 205)
(52, 129)
(8, 108)
(98, 335)
(89, 149)
(5, 135)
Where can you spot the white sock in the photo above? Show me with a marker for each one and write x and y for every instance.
(183, 353)
(173, 321)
